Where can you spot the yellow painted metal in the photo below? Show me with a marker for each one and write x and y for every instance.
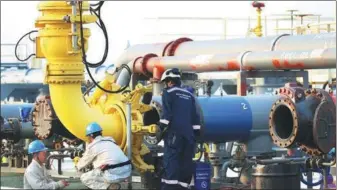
(64, 75)
(258, 29)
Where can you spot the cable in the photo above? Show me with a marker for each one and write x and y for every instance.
(311, 183)
(327, 82)
(87, 64)
(16, 46)
(102, 26)
(105, 90)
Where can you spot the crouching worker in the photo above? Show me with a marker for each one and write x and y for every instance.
(36, 176)
(110, 165)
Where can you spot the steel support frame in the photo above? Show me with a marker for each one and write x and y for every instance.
(244, 75)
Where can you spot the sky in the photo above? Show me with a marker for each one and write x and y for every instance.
(125, 19)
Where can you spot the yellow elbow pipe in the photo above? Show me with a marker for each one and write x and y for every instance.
(64, 71)
(75, 114)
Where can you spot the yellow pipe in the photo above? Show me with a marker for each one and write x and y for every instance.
(258, 29)
(64, 71)
(75, 114)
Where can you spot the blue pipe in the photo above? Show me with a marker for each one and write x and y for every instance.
(13, 110)
(233, 118)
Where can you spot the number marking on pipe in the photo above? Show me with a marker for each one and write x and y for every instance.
(244, 106)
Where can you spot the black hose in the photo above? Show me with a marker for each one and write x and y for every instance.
(311, 183)
(102, 26)
(327, 82)
(87, 64)
(16, 46)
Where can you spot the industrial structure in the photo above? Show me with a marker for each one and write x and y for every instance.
(126, 101)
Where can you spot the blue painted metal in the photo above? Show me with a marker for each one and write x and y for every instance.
(233, 118)
(226, 118)
(13, 110)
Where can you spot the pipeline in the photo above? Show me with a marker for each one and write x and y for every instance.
(16, 130)
(267, 60)
(13, 110)
(279, 161)
(225, 119)
(231, 118)
(38, 118)
(302, 47)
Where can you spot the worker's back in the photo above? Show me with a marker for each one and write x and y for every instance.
(181, 104)
(106, 151)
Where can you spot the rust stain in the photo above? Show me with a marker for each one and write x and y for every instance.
(287, 65)
(159, 66)
(233, 65)
(193, 66)
(297, 65)
(276, 63)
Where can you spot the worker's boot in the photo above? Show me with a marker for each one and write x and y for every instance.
(115, 186)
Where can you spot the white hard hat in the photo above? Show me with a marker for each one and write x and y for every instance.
(172, 73)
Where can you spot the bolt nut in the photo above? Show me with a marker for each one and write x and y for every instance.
(66, 18)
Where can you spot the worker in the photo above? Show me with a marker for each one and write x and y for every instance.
(110, 165)
(178, 125)
(36, 176)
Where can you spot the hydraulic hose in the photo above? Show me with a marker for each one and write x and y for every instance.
(311, 183)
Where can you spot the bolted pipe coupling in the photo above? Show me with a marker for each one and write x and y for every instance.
(300, 118)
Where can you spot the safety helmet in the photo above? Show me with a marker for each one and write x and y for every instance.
(170, 73)
(36, 146)
(92, 128)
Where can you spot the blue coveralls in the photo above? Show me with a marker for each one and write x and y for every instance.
(180, 116)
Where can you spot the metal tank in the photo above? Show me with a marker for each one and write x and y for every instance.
(276, 176)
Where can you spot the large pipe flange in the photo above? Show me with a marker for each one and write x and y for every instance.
(304, 117)
(42, 117)
(283, 122)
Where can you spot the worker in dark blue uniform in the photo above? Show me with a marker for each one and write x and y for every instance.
(179, 124)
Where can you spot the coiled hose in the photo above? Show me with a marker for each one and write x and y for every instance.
(319, 182)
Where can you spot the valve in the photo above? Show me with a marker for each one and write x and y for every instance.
(258, 5)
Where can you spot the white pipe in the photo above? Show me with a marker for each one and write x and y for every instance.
(281, 43)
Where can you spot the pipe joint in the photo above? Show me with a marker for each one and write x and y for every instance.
(62, 73)
(172, 46)
(283, 137)
(146, 58)
(304, 117)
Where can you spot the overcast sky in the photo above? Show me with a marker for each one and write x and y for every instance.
(124, 18)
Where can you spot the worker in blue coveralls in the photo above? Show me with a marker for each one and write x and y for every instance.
(179, 125)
